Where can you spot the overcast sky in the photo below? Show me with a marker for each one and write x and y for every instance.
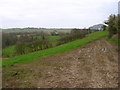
(55, 13)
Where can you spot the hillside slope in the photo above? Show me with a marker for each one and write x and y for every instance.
(29, 58)
(92, 66)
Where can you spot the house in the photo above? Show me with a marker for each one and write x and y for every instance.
(98, 27)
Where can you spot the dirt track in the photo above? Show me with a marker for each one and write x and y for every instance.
(92, 66)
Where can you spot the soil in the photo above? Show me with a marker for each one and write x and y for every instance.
(115, 36)
(4, 58)
(92, 66)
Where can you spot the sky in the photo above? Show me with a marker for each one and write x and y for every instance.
(55, 13)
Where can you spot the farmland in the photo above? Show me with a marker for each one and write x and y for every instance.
(72, 63)
(34, 41)
(10, 51)
(72, 56)
(63, 48)
(59, 44)
(23, 30)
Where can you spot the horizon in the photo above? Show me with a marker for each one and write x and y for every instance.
(50, 27)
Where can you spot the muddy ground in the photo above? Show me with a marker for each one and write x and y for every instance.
(92, 66)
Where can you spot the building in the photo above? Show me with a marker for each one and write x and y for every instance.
(98, 27)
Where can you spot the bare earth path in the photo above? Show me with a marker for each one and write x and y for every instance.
(92, 66)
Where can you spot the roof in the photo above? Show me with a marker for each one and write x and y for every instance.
(97, 27)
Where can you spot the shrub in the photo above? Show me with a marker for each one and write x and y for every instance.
(75, 34)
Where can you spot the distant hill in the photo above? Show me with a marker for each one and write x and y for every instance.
(30, 29)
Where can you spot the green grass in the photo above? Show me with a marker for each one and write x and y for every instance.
(54, 39)
(8, 52)
(28, 58)
(114, 40)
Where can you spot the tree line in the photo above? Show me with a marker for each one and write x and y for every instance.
(74, 35)
(31, 43)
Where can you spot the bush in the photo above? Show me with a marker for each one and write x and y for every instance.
(75, 34)
(27, 44)
(113, 25)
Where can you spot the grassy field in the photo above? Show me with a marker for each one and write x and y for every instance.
(8, 52)
(28, 58)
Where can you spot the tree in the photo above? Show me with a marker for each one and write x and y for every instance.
(8, 39)
(112, 25)
(20, 48)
